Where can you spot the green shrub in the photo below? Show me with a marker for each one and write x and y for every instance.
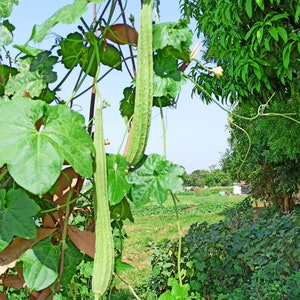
(240, 258)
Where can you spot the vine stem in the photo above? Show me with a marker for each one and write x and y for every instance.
(163, 124)
(65, 229)
(259, 113)
(248, 149)
(174, 198)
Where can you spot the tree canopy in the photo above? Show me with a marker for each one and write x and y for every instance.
(257, 43)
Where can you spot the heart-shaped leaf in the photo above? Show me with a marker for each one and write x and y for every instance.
(6, 7)
(16, 212)
(40, 265)
(34, 157)
(153, 180)
(118, 186)
(66, 15)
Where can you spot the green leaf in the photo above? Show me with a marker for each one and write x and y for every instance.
(261, 4)
(118, 186)
(254, 27)
(177, 292)
(25, 82)
(72, 259)
(273, 32)
(40, 265)
(153, 180)
(66, 15)
(164, 64)
(259, 34)
(282, 32)
(34, 157)
(28, 50)
(122, 266)
(248, 7)
(16, 212)
(169, 85)
(279, 17)
(127, 104)
(6, 7)
(267, 43)
(43, 64)
(5, 73)
(110, 56)
(122, 211)
(297, 14)
(71, 50)
(175, 38)
(6, 36)
(96, 1)
(9, 26)
(286, 55)
(88, 61)
(47, 95)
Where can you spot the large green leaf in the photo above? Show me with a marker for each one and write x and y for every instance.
(16, 212)
(66, 15)
(6, 7)
(25, 82)
(169, 86)
(34, 157)
(72, 49)
(174, 38)
(43, 64)
(6, 36)
(40, 265)
(118, 186)
(72, 259)
(111, 56)
(153, 180)
(5, 73)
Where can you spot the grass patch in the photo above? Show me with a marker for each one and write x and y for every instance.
(154, 224)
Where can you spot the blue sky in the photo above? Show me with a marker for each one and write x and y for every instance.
(196, 132)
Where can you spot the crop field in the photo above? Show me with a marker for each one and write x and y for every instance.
(153, 224)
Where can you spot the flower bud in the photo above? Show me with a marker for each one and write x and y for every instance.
(217, 71)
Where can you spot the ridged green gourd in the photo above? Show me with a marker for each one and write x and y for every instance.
(144, 88)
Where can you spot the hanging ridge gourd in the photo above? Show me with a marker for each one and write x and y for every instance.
(104, 245)
(139, 130)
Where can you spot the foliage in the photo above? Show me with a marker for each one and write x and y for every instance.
(48, 152)
(201, 178)
(254, 258)
(258, 44)
(269, 160)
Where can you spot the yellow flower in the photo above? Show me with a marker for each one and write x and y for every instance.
(217, 71)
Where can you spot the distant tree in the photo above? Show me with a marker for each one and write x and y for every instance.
(272, 166)
(203, 178)
(257, 43)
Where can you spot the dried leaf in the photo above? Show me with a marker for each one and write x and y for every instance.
(120, 34)
(13, 281)
(10, 255)
(3, 297)
(68, 182)
(48, 221)
(44, 294)
(83, 240)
